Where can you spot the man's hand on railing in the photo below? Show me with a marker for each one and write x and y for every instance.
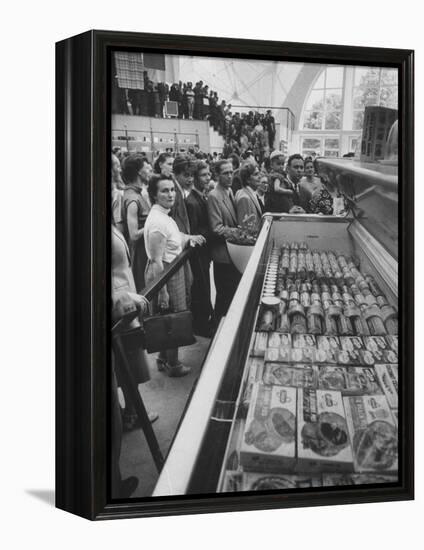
(196, 240)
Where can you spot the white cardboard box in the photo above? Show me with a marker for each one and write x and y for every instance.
(269, 439)
(373, 433)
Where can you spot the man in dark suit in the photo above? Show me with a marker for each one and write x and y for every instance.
(201, 305)
(183, 183)
(284, 193)
(222, 221)
(299, 203)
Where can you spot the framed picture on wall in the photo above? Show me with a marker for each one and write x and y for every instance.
(234, 275)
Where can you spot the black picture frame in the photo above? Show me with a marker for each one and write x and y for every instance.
(82, 274)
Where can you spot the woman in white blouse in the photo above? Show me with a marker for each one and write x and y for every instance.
(164, 242)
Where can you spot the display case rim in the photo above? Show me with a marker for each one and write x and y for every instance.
(82, 270)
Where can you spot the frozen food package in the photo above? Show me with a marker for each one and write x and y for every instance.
(362, 381)
(366, 357)
(295, 376)
(375, 343)
(388, 377)
(302, 355)
(269, 439)
(348, 357)
(232, 482)
(390, 356)
(322, 434)
(351, 343)
(260, 344)
(393, 342)
(253, 481)
(278, 339)
(373, 433)
(328, 342)
(349, 380)
(329, 480)
(325, 356)
(331, 377)
(278, 355)
(255, 372)
(304, 341)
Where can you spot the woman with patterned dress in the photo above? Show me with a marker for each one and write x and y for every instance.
(164, 242)
(321, 201)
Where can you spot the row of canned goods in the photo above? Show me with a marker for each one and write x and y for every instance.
(333, 305)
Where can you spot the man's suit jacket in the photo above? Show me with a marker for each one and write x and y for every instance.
(179, 211)
(247, 203)
(197, 211)
(222, 216)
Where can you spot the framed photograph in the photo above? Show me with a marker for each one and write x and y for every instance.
(234, 275)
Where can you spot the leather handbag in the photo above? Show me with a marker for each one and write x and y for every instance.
(168, 331)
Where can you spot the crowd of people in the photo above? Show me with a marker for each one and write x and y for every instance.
(206, 198)
(241, 131)
(193, 102)
(195, 201)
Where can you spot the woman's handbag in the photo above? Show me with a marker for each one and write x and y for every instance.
(168, 331)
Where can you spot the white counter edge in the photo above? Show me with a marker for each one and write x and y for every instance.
(176, 473)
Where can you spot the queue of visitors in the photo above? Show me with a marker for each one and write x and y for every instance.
(206, 201)
(190, 201)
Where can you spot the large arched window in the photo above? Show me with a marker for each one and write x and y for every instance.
(373, 86)
(333, 113)
(323, 108)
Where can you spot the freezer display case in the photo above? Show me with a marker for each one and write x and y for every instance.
(299, 387)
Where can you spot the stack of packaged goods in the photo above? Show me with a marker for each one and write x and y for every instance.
(321, 392)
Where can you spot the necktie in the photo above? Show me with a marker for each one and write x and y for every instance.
(261, 204)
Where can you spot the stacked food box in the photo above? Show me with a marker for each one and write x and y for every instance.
(320, 395)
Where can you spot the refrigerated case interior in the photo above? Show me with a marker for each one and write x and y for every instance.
(345, 239)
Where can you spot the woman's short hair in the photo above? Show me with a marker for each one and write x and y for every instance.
(131, 166)
(153, 185)
(309, 161)
(246, 171)
(160, 160)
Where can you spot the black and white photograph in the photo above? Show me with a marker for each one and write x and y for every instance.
(255, 327)
(212, 279)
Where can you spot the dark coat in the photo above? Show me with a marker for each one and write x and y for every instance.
(179, 211)
(198, 214)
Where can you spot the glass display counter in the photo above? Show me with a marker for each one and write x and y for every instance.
(299, 387)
